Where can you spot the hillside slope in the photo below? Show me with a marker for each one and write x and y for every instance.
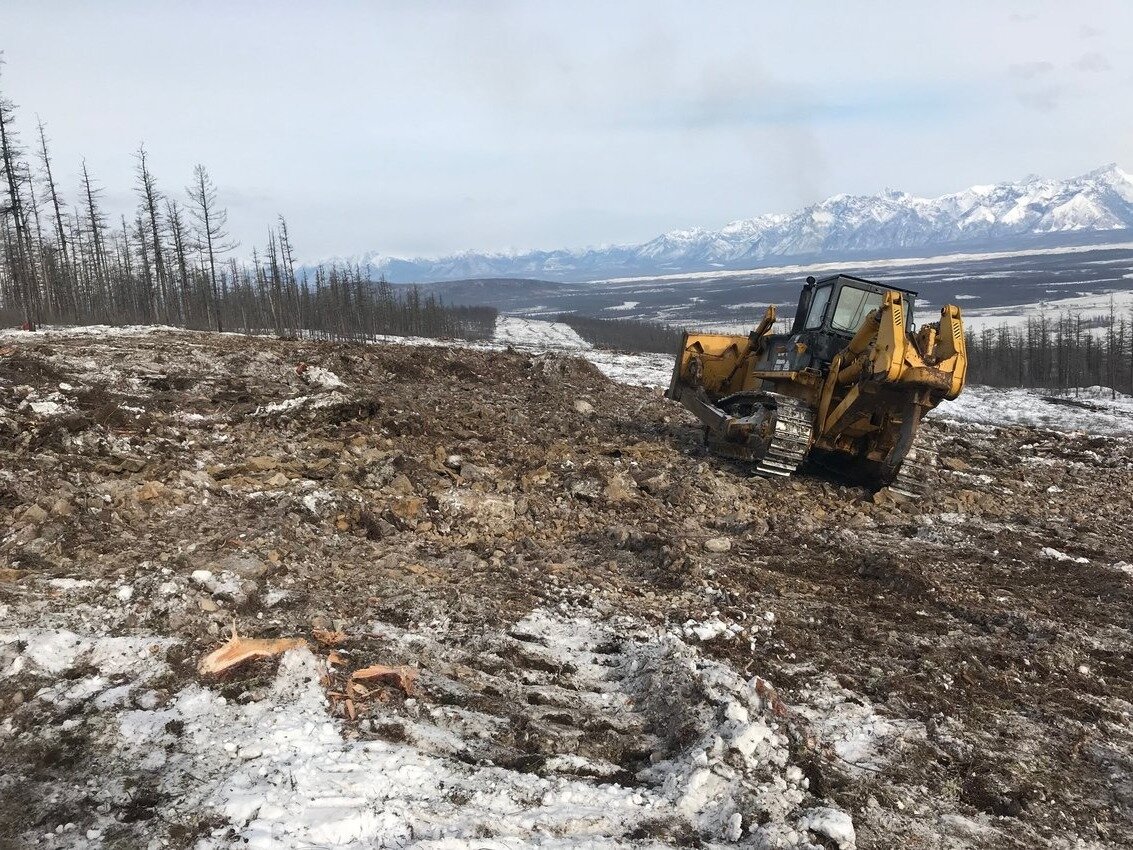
(600, 637)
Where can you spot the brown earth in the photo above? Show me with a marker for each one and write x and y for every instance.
(471, 486)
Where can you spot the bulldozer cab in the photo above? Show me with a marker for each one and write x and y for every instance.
(838, 304)
(829, 313)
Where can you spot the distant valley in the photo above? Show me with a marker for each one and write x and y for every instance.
(992, 288)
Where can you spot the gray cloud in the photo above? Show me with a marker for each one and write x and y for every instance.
(1046, 99)
(1095, 62)
(1031, 70)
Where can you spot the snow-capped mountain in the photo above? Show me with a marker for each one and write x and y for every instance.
(848, 225)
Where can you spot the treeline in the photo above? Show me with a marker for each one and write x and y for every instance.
(347, 305)
(624, 334)
(64, 261)
(1055, 353)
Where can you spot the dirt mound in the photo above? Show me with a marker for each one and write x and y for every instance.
(951, 672)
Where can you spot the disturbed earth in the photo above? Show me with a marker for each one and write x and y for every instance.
(593, 634)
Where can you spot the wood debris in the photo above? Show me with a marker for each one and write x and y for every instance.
(404, 678)
(240, 649)
(329, 638)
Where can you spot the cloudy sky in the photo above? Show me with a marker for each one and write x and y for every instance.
(420, 128)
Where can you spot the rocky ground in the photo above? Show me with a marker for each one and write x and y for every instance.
(613, 640)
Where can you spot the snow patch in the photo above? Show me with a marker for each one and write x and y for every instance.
(321, 377)
(280, 771)
(1055, 555)
(541, 335)
(833, 824)
(999, 407)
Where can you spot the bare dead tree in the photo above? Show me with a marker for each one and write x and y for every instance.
(150, 200)
(64, 288)
(11, 209)
(180, 234)
(212, 232)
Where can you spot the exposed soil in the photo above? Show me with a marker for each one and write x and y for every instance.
(988, 621)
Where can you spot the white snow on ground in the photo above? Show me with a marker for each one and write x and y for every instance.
(640, 370)
(1093, 306)
(1055, 555)
(50, 405)
(625, 305)
(644, 370)
(860, 736)
(322, 378)
(280, 772)
(996, 406)
(533, 333)
(89, 330)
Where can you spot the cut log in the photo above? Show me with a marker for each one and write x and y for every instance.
(240, 649)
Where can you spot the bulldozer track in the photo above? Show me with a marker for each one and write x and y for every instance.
(794, 422)
(917, 472)
(790, 443)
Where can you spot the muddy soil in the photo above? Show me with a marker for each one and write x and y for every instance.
(170, 483)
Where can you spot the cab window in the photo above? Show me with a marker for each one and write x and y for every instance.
(852, 307)
(818, 307)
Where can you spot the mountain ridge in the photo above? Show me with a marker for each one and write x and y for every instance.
(890, 222)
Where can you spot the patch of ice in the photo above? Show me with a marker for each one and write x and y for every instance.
(328, 399)
(1054, 555)
(53, 651)
(69, 583)
(52, 404)
(282, 406)
(322, 377)
(47, 408)
(831, 823)
(316, 501)
(709, 629)
(851, 724)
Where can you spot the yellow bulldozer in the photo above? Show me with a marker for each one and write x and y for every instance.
(844, 390)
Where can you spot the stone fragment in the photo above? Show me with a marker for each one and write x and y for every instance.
(35, 514)
(718, 545)
(149, 491)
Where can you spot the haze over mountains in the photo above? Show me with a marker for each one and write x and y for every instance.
(893, 223)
